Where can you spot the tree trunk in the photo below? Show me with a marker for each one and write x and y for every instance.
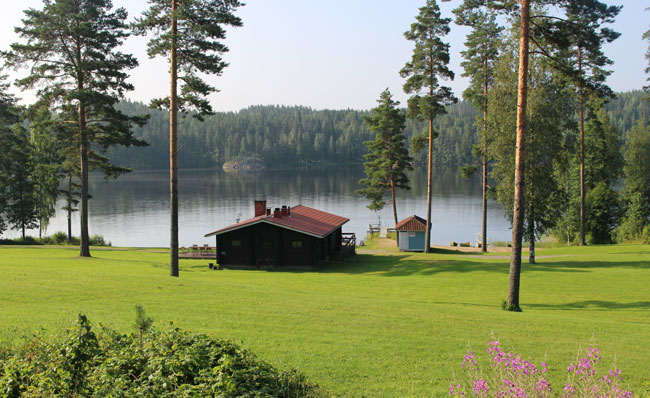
(427, 233)
(70, 207)
(582, 153)
(84, 239)
(518, 214)
(23, 227)
(173, 151)
(392, 191)
(485, 143)
(531, 241)
(84, 246)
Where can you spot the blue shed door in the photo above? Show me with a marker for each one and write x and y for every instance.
(416, 240)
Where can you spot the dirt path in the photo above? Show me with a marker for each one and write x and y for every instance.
(383, 245)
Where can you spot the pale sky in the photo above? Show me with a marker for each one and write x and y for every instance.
(300, 52)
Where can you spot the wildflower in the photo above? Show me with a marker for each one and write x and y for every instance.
(455, 389)
(470, 360)
(481, 388)
(569, 390)
(542, 385)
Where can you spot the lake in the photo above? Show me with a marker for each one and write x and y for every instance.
(134, 209)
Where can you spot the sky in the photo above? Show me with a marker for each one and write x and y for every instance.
(299, 52)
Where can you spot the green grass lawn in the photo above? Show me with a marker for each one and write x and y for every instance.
(380, 324)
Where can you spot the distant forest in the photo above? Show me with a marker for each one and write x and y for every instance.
(299, 136)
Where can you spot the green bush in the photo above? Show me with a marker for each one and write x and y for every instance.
(59, 238)
(28, 240)
(171, 363)
(98, 240)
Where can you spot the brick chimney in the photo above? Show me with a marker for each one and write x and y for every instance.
(285, 212)
(260, 208)
(277, 213)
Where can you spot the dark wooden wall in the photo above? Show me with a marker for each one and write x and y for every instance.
(264, 244)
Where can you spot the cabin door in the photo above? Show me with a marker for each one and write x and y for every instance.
(268, 251)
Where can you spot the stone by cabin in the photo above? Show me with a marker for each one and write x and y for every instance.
(294, 237)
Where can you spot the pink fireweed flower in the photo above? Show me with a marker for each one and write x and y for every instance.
(481, 388)
(615, 374)
(493, 347)
(593, 352)
(470, 361)
(569, 390)
(542, 385)
(455, 389)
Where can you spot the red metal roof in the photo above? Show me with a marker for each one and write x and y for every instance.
(302, 219)
(413, 223)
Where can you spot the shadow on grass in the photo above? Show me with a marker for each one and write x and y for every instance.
(407, 264)
(403, 265)
(595, 305)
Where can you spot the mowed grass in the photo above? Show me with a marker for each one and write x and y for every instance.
(380, 324)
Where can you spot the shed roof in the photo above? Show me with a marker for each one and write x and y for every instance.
(303, 219)
(413, 223)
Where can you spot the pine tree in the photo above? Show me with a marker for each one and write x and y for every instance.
(548, 127)
(188, 33)
(388, 158)
(636, 192)
(9, 116)
(71, 48)
(20, 194)
(480, 57)
(583, 28)
(47, 166)
(549, 37)
(428, 64)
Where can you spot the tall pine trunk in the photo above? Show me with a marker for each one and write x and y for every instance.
(427, 233)
(84, 246)
(173, 150)
(485, 147)
(582, 153)
(85, 241)
(518, 214)
(392, 192)
(70, 206)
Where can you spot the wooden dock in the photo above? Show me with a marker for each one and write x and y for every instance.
(204, 252)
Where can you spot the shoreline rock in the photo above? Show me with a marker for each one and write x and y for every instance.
(248, 164)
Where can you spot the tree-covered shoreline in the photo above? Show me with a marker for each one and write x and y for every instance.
(298, 136)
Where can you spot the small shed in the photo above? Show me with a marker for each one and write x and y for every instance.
(296, 237)
(411, 234)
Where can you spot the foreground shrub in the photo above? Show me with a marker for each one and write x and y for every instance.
(172, 363)
(511, 375)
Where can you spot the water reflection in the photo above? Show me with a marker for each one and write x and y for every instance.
(134, 210)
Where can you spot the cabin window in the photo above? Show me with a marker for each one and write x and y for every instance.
(296, 244)
(235, 243)
(267, 244)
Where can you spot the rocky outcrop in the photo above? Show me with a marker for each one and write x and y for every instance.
(247, 164)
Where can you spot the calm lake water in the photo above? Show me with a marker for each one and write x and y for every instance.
(134, 210)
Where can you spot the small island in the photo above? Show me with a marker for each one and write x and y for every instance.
(246, 164)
